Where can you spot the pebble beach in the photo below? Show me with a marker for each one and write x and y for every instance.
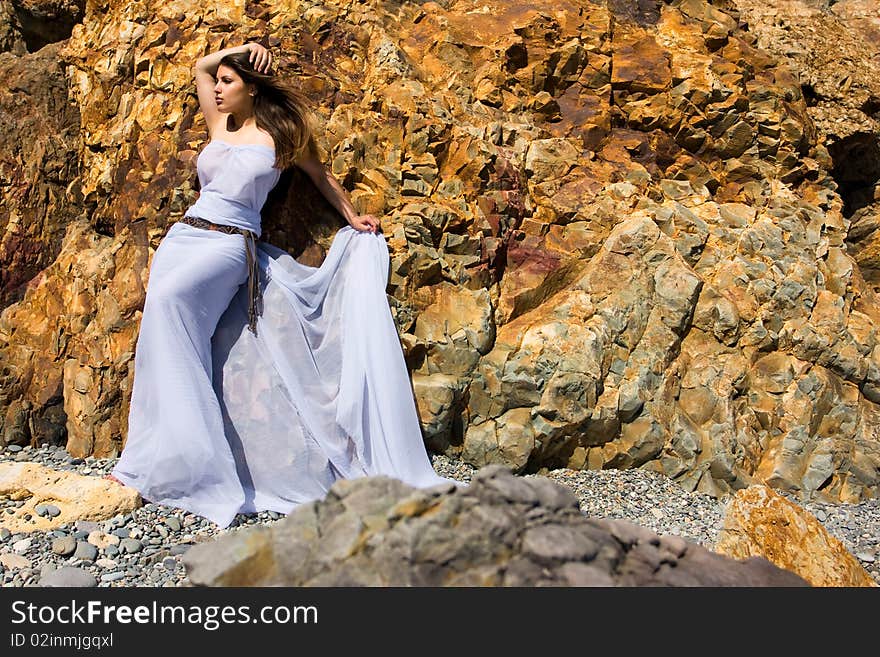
(152, 538)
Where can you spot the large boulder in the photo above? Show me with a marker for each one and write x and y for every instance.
(761, 522)
(502, 530)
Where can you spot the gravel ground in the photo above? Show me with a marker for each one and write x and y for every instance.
(145, 545)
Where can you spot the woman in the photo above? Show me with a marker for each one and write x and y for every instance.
(260, 381)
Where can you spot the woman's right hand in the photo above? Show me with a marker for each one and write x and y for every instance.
(259, 57)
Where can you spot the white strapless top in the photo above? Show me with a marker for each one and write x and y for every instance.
(235, 181)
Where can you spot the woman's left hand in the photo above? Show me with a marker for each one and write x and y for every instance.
(364, 222)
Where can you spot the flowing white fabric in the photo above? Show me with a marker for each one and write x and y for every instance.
(224, 421)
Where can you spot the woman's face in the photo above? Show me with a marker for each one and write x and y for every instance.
(231, 93)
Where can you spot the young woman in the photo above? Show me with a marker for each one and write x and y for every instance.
(260, 381)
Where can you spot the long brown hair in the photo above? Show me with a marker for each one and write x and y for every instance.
(280, 109)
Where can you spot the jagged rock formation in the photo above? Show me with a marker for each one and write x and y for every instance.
(502, 530)
(618, 237)
(833, 49)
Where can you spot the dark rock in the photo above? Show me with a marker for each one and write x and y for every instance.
(502, 530)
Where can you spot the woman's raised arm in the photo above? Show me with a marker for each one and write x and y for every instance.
(205, 73)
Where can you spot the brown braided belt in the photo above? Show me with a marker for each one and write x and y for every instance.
(250, 242)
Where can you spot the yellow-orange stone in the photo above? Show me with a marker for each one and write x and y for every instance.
(761, 522)
(79, 497)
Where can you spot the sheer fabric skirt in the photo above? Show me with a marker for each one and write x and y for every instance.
(225, 422)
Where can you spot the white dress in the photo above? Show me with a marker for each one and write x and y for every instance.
(223, 421)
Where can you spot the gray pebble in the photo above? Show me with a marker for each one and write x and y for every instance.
(64, 546)
(173, 524)
(130, 545)
(112, 577)
(68, 576)
(111, 550)
(179, 549)
(122, 532)
(52, 511)
(86, 551)
(865, 556)
(5, 533)
(13, 448)
(42, 510)
(169, 564)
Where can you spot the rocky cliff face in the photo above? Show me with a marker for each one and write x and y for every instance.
(833, 49)
(622, 234)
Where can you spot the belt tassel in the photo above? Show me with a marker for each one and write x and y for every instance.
(254, 295)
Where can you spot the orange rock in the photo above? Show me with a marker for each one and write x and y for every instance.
(760, 522)
(79, 497)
